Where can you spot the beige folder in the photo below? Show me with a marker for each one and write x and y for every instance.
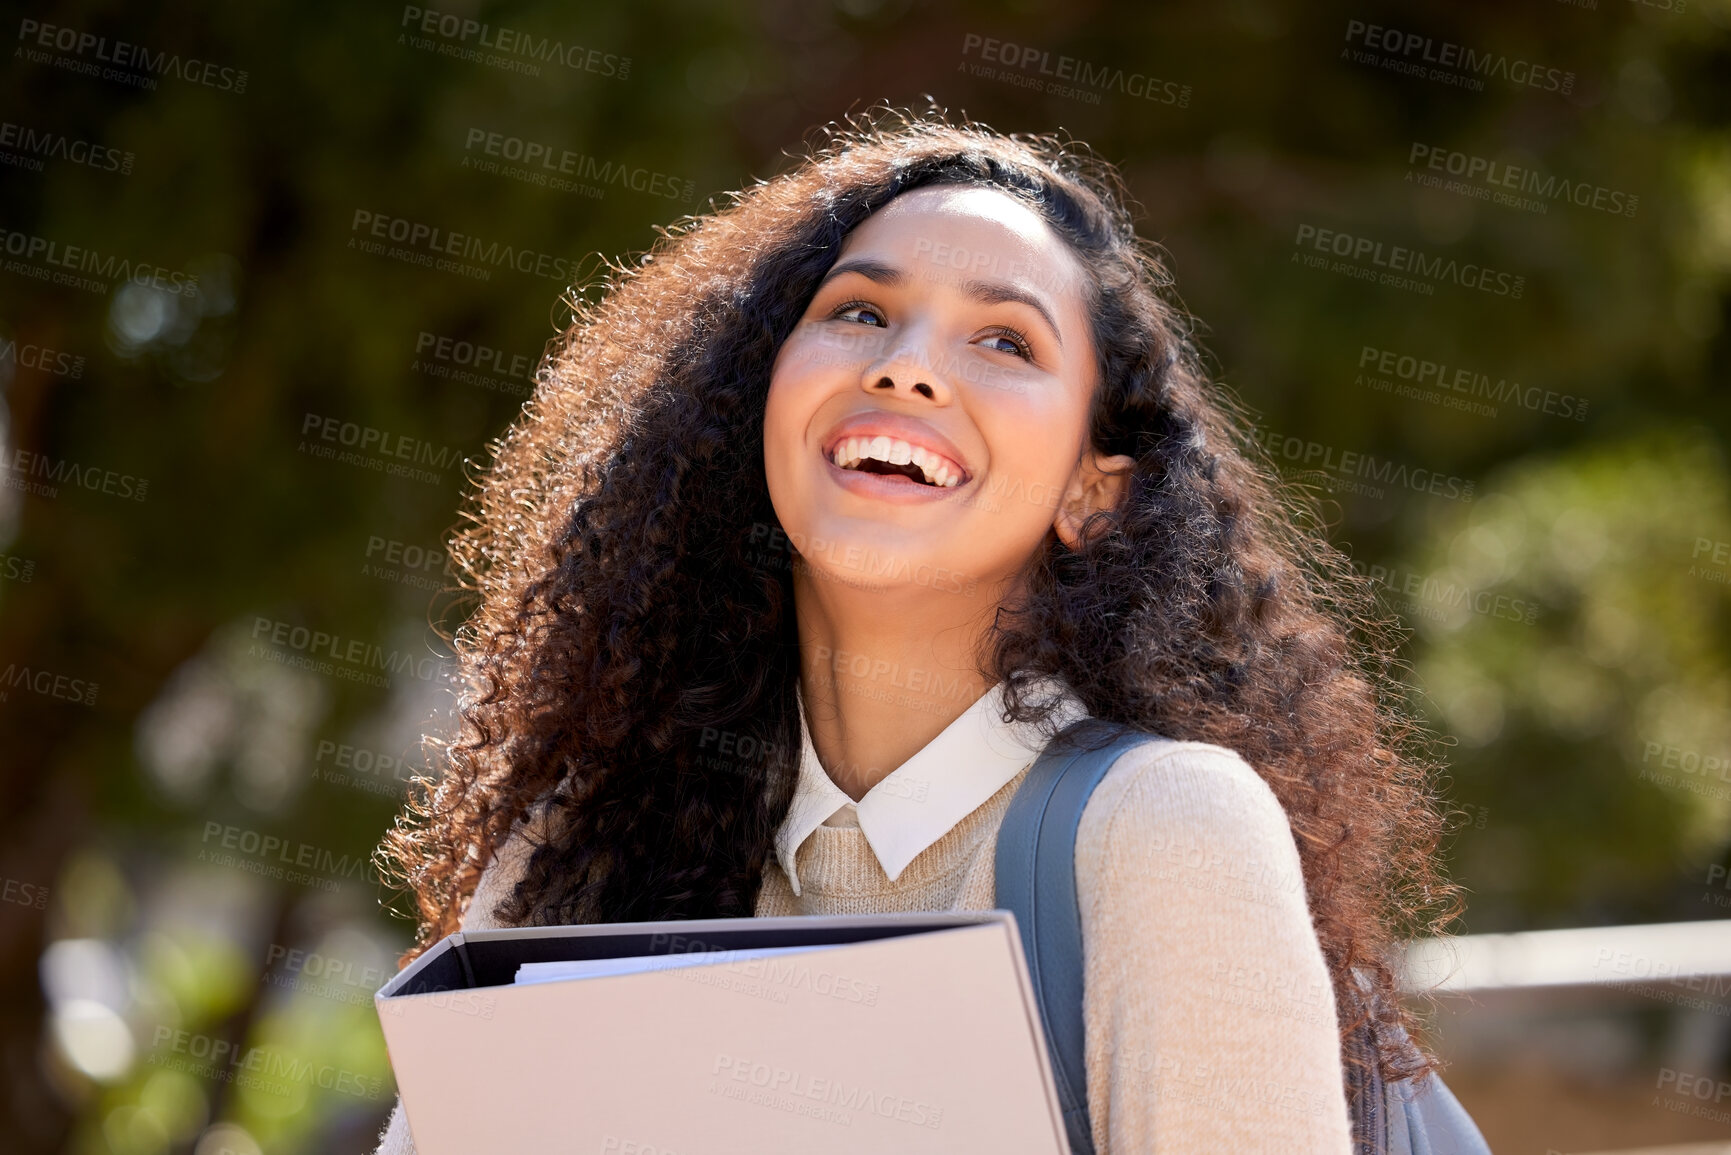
(915, 1033)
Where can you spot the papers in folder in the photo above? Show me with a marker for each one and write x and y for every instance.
(552, 972)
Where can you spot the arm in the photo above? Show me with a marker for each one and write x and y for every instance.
(1209, 1011)
(494, 885)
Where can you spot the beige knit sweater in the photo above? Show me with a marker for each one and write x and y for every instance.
(1210, 1020)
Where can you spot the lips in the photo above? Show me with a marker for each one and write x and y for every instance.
(895, 447)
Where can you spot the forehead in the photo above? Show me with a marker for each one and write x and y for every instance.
(971, 231)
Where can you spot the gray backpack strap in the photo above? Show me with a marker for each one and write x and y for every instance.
(1035, 867)
(1409, 1117)
(1428, 1120)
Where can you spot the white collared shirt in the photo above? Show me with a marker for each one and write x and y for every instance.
(923, 798)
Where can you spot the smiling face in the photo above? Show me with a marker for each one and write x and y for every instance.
(929, 414)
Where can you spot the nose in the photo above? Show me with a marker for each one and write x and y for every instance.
(908, 368)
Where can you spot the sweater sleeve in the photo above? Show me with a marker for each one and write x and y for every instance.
(1209, 1013)
(495, 884)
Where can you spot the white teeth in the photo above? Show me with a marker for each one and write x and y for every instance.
(850, 451)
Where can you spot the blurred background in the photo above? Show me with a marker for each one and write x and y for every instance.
(272, 275)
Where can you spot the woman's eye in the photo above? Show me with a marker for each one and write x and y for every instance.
(858, 307)
(1018, 344)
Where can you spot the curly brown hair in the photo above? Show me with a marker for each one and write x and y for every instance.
(625, 608)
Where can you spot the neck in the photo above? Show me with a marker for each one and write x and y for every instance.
(884, 671)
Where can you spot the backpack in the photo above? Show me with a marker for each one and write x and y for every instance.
(1035, 874)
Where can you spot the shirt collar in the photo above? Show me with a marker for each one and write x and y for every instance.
(923, 798)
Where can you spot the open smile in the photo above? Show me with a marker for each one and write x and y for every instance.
(894, 457)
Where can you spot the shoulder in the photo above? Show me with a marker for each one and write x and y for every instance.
(1189, 782)
(1191, 813)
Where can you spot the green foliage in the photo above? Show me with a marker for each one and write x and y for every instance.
(1574, 634)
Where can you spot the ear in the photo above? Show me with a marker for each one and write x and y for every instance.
(1099, 483)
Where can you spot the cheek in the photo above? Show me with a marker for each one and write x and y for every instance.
(795, 371)
(1034, 438)
(786, 414)
(782, 398)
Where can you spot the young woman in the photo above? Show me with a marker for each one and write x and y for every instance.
(821, 522)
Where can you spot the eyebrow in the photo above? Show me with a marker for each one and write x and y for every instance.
(985, 292)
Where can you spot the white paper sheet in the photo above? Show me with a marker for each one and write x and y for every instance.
(552, 972)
